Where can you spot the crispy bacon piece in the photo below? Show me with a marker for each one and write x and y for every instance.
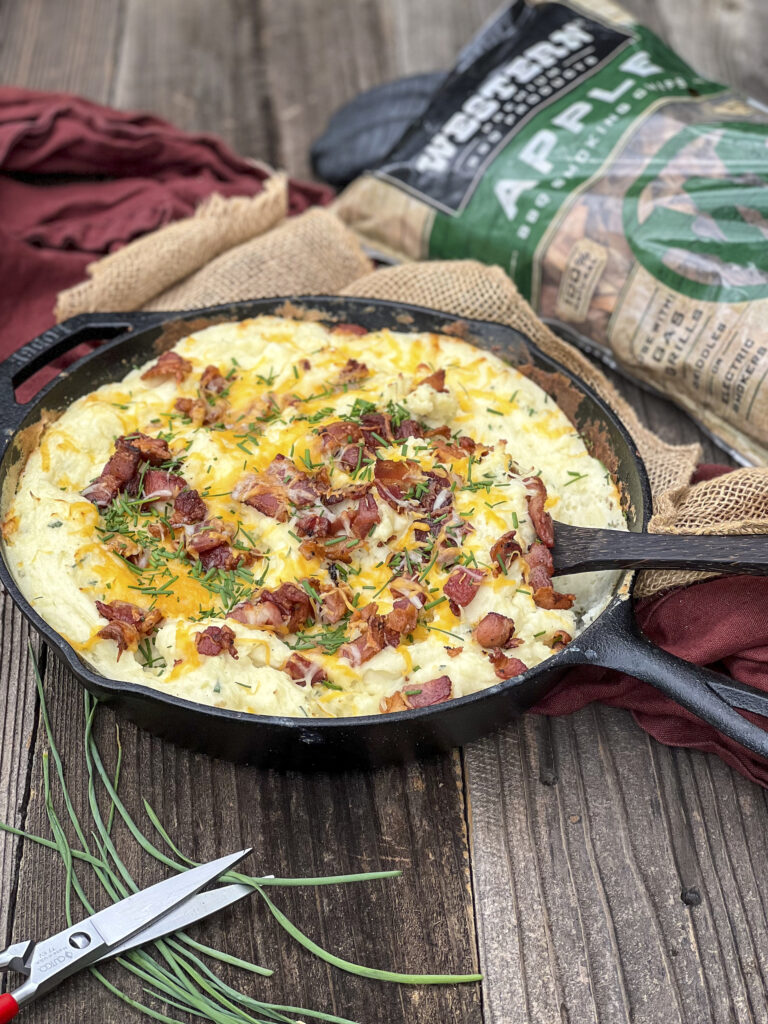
(316, 526)
(263, 614)
(314, 547)
(127, 623)
(365, 613)
(169, 365)
(353, 492)
(351, 457)
(188, 508)
(408, 428)
(403, 619)
(409, 598)
(420, 695)
(301, 489)
(195, 408)
(335, 602)
(362, 649)
(352, 372)
(269, 505)
(541, 519)
(271, 491)
(434, 691)
(394, 479)
(461, 586)
(437, 497)
(284, 610)
(212, 380)
(123, 611)
(129, 550)
(121, 468)
(210, 542)
(559, 639)
(388, 705)
(153, 450)
(449, 545)
(125, 636)
(505, 667)
(352, 442)
(405, 589)
(102, 491)
(294, 603)
(548, 597)
(540, 567)
(494, 630)
(334, 436)
(200, 411)
(304, 671)
(160, 485)
(435, 380)
(215, 640)
(376, 635)
(349, 329)
(376, 427)
(209, 535)
(505, 550)
(459, 448)
(540, 571)
(118, 472)
(454, 652)
(220, 557)
(365, 517)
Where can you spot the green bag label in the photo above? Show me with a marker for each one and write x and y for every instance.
(580, 87)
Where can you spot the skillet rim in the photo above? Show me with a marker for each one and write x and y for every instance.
(117, 690)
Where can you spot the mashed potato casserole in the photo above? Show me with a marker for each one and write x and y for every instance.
(285, 518)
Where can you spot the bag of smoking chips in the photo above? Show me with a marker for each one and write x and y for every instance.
(625, 195)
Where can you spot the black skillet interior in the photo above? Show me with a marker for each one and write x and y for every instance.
(276, 742)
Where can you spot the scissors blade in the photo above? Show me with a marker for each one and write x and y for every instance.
(57, 957)
(193, 909)
(119, 922)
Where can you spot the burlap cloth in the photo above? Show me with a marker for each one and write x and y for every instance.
(243, 248)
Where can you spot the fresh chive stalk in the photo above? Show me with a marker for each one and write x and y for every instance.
(175, 975)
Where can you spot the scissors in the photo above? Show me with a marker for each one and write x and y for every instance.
(167, 907)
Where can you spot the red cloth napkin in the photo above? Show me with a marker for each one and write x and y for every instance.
(78, 180)
(87, 179)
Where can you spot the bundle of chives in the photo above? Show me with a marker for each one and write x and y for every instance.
(179, 979)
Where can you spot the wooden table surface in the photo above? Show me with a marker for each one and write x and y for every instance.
(556, 854)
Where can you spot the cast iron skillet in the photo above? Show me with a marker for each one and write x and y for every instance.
(613, 640)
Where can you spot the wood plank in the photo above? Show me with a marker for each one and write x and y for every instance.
(579, 884)
(17, 731)
(200, 66)
(65, 47)
(410, 818)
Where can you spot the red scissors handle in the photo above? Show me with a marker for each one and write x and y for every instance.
(8, 1008)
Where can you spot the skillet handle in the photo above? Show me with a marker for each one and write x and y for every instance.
(711, 696)
(51, 344)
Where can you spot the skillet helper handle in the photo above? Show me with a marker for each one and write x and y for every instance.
(8, 1008)
(578, 549)
(51, 344)
(711, 696)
